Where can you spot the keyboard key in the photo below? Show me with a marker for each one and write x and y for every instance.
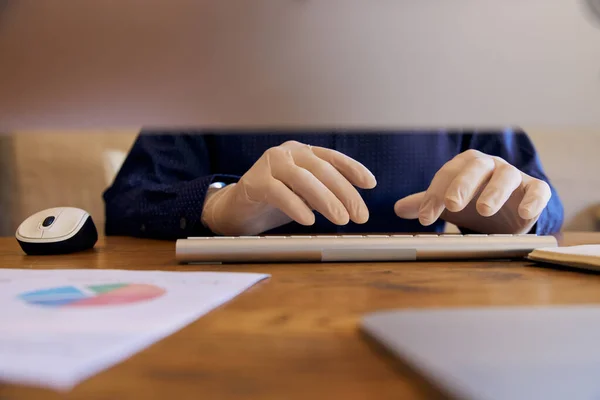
(301, 237)
(352, 236)
(275, 237)
(378, 236)
(403, 236)
(223, 237)
(249, 237)
(427, 236)
(326, 236)
(476, 235)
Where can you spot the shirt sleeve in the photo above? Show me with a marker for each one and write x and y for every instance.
(516, 147)
(160, 189)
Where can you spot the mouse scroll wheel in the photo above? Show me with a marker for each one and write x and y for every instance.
(48, 221)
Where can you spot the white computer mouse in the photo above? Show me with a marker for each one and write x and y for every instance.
(59, 230)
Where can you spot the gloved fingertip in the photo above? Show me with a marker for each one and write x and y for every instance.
(338, 215)
(453, 203)
(404, 211)
(426, 216)
(485, 209)
(526, 211)
(398, 209)
(344, 220)
(307, 220)
(368, 182)
(426, 220)
(360, 216)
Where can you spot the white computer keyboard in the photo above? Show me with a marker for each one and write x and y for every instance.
(332, 248)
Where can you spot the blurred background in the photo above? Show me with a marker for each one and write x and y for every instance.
(39, 171)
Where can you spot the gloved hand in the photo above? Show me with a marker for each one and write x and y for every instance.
(481, 193)
(287, 183)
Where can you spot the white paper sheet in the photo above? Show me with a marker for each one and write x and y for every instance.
(89, 320)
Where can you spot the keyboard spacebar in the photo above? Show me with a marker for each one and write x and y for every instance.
(371, 254)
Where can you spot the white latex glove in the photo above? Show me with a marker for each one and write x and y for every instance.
(286, 184)
(481, 193)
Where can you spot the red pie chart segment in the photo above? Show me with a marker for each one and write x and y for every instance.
(132, 293)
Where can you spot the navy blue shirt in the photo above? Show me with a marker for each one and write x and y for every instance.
(159, 191)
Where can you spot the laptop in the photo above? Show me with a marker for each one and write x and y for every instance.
(512, 353)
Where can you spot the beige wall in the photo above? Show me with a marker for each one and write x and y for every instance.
(571, 160)
(38, 171)
(56, 169)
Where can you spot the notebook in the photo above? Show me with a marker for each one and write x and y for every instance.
(584, 256)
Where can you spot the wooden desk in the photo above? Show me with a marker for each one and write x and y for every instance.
(295, 335)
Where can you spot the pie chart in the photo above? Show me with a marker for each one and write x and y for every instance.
(110, 294)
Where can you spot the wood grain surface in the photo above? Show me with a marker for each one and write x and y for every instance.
(295, 335)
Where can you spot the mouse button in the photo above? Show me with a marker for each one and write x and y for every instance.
(29, 230)
(50, 212)
(64, 225)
